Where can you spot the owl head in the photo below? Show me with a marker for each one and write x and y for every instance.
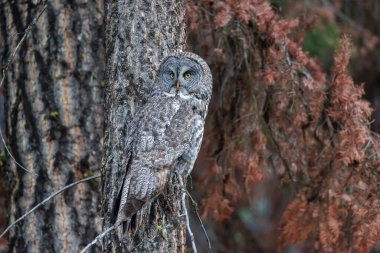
(185, 75)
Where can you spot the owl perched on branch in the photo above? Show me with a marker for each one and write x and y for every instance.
(167, 132)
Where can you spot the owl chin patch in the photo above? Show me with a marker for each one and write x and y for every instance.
(169, 94)
(184, 96)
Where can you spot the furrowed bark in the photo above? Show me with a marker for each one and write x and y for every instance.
(53, 109)
(138, 35)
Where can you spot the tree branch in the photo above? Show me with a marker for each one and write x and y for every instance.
(195, 205)
(98, 238)
(27, 31)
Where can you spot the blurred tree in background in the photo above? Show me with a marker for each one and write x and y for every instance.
(288, 162)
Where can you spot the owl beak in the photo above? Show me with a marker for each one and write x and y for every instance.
(178, 85)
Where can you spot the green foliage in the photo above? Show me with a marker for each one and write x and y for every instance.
(278, 3)
(162, 230)
(248, 218)
(88, 174)
(54, 114)
(321, 42)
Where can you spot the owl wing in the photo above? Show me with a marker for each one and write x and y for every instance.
(163, 135)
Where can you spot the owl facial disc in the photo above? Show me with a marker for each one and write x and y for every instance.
(180, 77)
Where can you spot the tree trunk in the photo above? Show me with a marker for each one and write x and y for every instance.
(53, 109)
(138, 35)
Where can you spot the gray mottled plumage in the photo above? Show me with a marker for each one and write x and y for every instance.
(167, 132)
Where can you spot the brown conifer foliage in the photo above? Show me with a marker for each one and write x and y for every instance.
(288, 157)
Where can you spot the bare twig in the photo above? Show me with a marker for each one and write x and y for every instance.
(9, 61)
(10, 154)
(27, 31)
(46, 200)
(183, 190)
(98, 238)
(195, 205)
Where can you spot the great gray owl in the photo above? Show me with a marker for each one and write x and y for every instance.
(166, 133)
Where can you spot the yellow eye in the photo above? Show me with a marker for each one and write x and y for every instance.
(171, 75)
(187, 75)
